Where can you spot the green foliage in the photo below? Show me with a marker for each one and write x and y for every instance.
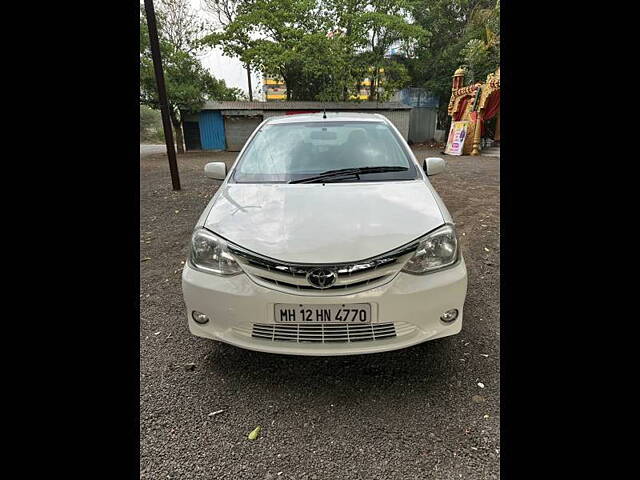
(456, 27)
(150, 125)
(322, 49)
(482, 52)
(385, 23)
(325, 49)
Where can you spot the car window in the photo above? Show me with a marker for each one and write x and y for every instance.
(285, 152)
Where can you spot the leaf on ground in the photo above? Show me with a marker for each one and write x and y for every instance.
(254, 434)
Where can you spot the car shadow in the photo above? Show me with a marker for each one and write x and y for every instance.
(421, 371)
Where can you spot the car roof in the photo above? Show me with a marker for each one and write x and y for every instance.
(331, 117)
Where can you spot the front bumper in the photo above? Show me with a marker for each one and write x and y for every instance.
(413, 303)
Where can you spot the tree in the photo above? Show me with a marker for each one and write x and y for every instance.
(321, 49)
(267, 35)
(386, 24)
(349, 36)
(150, 125)
(225, 12)
(452, 24)
(482, 51)
(181, 27)
(188, 84)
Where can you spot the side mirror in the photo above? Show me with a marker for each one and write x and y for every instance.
(215, 170)
(433, 166)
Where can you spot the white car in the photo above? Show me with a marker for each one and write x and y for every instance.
(325, 238)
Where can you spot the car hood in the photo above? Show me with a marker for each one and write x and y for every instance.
(330, 223)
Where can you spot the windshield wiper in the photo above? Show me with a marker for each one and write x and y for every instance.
(342, 172)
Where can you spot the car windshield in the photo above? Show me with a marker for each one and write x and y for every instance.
(285, 152)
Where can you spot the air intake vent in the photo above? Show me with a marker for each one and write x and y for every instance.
(323, 333)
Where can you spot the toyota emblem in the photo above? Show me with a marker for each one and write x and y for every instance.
(322, 277)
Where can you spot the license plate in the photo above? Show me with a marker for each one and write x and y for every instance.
(358, 313)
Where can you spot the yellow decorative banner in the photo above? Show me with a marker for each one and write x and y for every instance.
(457, 134)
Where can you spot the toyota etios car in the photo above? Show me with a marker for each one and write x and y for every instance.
(325, 238)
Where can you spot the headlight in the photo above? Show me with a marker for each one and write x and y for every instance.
(437, 250)
(209, 253)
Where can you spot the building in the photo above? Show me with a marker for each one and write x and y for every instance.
(275, 88)
(363, 92)
(424, 113)
(228, 125)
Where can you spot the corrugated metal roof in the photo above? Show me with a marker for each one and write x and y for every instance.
(305, 106)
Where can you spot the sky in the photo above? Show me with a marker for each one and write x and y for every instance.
(231, 71)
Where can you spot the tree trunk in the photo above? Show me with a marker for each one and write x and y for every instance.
(447, 128)
(177, 128)
(179, 138)
(249, 82)
(288, 90)
(372, 83)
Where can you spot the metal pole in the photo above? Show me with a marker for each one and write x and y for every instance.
(162, 93)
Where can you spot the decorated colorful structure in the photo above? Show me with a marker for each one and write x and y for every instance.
(475, 104)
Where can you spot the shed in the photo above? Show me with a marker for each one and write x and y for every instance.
(228, 125)
(424, 113)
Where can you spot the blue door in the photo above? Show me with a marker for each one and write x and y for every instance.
(211, 130)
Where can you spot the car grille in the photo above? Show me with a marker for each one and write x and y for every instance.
(351, 277)
(323, 333)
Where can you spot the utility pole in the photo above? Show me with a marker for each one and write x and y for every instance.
(162, 93)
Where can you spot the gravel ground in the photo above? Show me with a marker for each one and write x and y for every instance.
(147, 149)
(413, 413)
